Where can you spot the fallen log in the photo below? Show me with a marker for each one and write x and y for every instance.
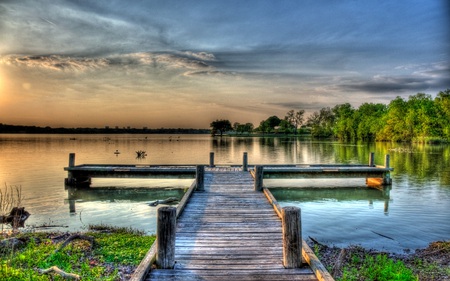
(16, 217)
(165, 201)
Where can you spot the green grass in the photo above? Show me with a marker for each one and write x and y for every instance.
(113, 248)
(376, 268)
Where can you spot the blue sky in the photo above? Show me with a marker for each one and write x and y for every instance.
(186, 63)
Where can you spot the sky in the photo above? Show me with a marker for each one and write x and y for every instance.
(183, 64)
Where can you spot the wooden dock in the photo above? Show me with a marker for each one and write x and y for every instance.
(229, 231)
(228, 226)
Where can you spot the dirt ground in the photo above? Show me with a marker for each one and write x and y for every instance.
(429, 264)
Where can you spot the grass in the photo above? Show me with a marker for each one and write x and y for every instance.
(116, 252)
(376, 268)
(355, 263)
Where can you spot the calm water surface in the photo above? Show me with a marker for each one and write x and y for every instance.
(409, 215)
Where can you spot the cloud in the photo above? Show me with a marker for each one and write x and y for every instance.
(55, 62)
(189, 61)
(433, 76)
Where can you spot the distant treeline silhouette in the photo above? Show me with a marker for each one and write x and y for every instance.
(19, 129)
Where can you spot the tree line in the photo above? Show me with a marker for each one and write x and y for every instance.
(420, 118)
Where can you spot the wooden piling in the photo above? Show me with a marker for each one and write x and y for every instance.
(200, 178)
(165, 233)
(211, 159)
(71, 159)
(245, 162)
(387, 176)
(372, 159)
(292, 237)
(259, 173)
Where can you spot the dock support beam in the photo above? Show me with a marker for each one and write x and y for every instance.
(292, 237)
(200, 178)
(211, 159)
(245, 162)
(259, 173)
(165, 234)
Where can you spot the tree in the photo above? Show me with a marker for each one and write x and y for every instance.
(321, 123)
(268, 125)
(220, 126)
(442, 102)
(295, 118)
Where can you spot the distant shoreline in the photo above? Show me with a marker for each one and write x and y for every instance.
(20, 129)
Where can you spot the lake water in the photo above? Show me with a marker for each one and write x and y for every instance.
(409, 215)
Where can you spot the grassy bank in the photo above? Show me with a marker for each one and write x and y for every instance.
(101, 253)
(356, 263)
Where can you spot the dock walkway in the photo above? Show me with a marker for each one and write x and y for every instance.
(229, 232)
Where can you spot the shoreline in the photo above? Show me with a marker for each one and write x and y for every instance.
(430, 264)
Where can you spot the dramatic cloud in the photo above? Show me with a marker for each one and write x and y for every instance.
(187, 61)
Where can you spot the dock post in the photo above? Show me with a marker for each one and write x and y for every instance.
(387, 176)
(211, 159)
(71, 159)
(371, 159)
(70, 180)
(165, 234)
(259, 173)
(245, 162)
(292, 237)
(200, 178)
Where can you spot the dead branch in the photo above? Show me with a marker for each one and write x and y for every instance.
(63, 274)
(73, 237)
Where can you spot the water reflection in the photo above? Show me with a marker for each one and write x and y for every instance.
(347, 194)
(120, 195)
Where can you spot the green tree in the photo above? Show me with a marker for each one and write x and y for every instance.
(344, 127)
(369, 120)
(442, 102)
(220, 126)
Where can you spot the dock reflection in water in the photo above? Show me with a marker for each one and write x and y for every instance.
(340, 194)
(120, 194)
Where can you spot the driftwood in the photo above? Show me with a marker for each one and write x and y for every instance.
(340, 261)
(165, 201)
(64, 274)
(16, 217)
(73, 237)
